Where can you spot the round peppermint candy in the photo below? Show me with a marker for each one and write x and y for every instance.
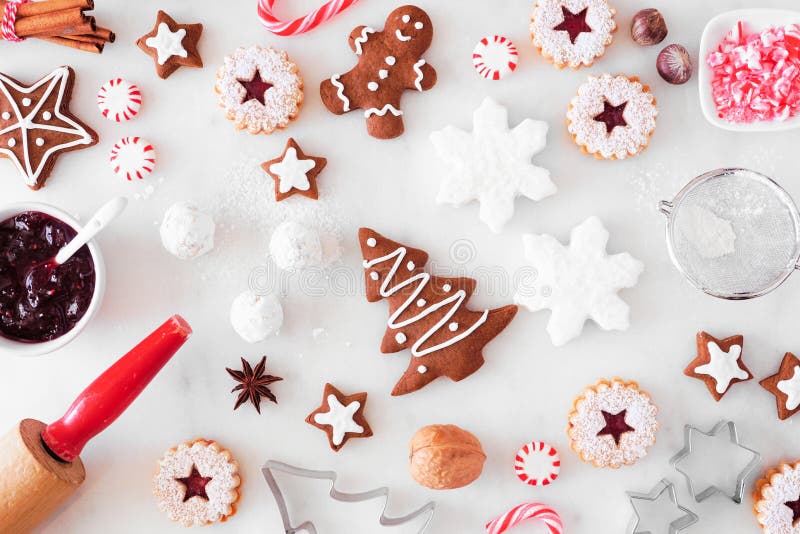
(132, 157)
(119, 100)
(495, 57)
(537, 464)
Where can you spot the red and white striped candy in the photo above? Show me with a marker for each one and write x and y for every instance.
(537, 464)
(132, 157)
(523, 512)
(495, 57)
(119, 100)
(9, 21)
(302, 24)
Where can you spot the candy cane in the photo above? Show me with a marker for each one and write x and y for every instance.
(302, 24)
(10, 20)
(518, 514)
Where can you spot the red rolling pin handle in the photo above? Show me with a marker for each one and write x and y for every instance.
(112, 392)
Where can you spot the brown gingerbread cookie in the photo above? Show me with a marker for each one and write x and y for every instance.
(341, 417)
(718, 363)
(172, 45)
(785, 385)
(294, 172)
(427, 314)
(389, 62)
(36, 125)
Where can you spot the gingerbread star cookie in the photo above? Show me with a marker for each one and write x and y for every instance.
(172, 45)
(718, 363)
(341, 417)
(36, 125)
(785, 385)
(294, 172)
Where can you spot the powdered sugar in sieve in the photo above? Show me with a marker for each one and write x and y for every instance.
(734, 233)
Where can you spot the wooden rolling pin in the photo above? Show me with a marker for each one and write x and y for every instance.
(39, 464)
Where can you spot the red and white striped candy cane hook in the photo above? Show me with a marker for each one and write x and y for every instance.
(302, 24)
(522, 512)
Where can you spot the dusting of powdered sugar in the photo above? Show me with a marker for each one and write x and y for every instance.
(623, 141)
(281, 101)
(773, 514)
(588, 46)
(587, 420)
(711, 236)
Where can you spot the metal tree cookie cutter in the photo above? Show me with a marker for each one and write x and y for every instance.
(687, 450)
(664, 486)
(308, 527)
(733, 233)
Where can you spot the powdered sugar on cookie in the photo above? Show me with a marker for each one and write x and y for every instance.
(774, 516)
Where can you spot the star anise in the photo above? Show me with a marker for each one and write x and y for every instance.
(253, 384)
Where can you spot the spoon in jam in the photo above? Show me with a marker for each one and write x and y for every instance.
(101, 219)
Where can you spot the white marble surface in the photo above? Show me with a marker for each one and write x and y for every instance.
(526, 387)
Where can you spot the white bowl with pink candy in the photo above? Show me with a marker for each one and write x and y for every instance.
(754, 21)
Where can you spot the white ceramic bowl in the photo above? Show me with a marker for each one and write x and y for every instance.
(19, 348)
(755, 20)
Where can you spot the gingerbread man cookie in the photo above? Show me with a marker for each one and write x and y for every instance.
(389, 62)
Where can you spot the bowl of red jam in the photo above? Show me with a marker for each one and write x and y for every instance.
(44, 306)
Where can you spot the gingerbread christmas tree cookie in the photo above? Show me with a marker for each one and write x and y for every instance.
(718, 363)
(172, 45)
(294, 172)
(785, 385)
(427, 314)
(341, 417)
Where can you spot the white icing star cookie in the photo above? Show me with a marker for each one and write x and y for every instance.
(493, 163)
(578, 282)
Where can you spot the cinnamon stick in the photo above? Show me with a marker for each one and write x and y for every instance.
(48, 6)
(50, 24)
(71, 43)
(87, 38)
(105, 34)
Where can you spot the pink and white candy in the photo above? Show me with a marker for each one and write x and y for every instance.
(537, 464)
(119, 100)
(302, 24)
(495, 57)
(132, 157)
(524, 512)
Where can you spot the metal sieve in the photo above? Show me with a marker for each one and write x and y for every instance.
(733, 233)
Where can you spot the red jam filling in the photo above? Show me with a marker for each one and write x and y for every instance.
(574, 23)
(255, 88)
(615, 425)
(794, 506)
(195, 485)
(41, 301)
(612, 116)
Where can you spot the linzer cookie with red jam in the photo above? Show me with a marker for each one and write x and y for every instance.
(718, 363)
(260, 89)
(427, 314)
(197, 483)
(572, 33)
(389, 62)
(612, 424)
(612, 117)
(36, 125)
(777, 499)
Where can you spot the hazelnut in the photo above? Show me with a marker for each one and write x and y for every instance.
(648, 27)
(445, 457)
(674, 64)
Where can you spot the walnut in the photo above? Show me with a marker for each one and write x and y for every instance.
(445, 457)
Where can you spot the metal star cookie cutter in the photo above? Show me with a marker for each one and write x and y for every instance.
(737, 495)
(308, 527)
(689, 518)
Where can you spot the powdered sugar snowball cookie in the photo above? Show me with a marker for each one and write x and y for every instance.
(495, 57)
(777, 500)
(578, 282)
(119, 100)
(260, 89)
(612, 117)
(295, 246)
(187, 232)
(612, 423)
(197, 483)
(132, 157)
(537, 464)
(256, 317)
(572, 33)
(492, 164)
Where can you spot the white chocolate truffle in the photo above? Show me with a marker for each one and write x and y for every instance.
(187, 232)
(256, 317)
(294, 246)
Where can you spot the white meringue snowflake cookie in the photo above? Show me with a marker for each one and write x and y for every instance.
(578, 282)
(492, 164)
